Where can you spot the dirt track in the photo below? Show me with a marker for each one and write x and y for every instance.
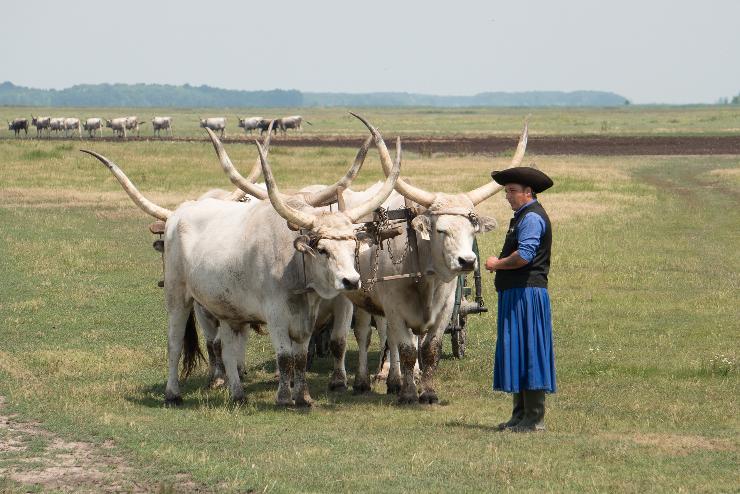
(544, 145)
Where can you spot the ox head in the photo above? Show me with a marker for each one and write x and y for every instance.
(329, 239)
(448, 222)
(203, 122)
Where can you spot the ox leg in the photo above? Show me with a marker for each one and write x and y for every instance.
(301, 396)
(431, 348)
(209, 325)
(230, 348)
(395, 380)
(177, 322)
(402, 338)
(285, 363)
(342, 310)
(241, 352)
(363, 334)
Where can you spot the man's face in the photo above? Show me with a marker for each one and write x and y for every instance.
(517, 195)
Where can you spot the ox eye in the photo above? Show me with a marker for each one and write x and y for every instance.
(322, 250)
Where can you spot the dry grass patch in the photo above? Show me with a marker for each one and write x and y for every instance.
(675, 444)
(729, 176)
(37, 197)
(34, 456)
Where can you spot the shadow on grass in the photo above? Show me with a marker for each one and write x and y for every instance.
(472, 426)
(261, 381)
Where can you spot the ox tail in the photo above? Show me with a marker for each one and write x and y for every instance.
(191, 353)
(145, 204)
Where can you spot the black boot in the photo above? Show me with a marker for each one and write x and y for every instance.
(517, 413)
(534, 412)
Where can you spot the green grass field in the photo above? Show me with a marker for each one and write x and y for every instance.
(686, 120)
(644, 286)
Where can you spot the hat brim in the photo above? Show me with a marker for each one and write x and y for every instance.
(523, 175)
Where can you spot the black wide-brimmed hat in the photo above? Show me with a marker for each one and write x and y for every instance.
(523, 175)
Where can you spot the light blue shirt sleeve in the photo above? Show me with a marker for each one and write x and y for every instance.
(531, 229)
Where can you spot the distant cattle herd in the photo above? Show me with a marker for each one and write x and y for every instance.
(124, 126)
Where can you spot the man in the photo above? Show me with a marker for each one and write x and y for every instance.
(524, 363)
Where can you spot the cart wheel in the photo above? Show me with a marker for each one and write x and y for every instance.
(458, 339)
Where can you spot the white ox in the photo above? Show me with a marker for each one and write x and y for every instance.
(132, 123)
(446, 226)
(93, 126)
(250, 124)
(71, 125)
(215, 124)
(291, 122)
(313, 195)
(41, 124)
(56, 124)
(118, 126)
(162, 123)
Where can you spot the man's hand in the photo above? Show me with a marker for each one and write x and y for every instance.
(491, 263)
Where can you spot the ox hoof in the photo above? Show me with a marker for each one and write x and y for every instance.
(407, 399)
(428, 398)
(304, 402)
(393, 388)
(361, 387)
(239, 400)
(174, 401)
(284, 402)
(338, 387)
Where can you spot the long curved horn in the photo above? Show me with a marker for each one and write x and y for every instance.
(421, 196)
(145, 204)
(358, 212)
(238, 194)
(231, 171)
(329, 194)
(294, 216)
(485, 191)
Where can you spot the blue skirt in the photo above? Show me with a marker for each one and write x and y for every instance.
(524, 354)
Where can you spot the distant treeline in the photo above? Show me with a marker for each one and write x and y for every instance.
(187, 96)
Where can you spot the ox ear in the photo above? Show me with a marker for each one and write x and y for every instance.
(422, 225)
(486, 224)
(301, 244)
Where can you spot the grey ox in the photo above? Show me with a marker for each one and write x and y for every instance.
(71, 125)
(162, 123)
(446, 226)
(93, 126)
(250, 124)
(17, 125)
(42, 124)
(118, 126)
(132, 123)
(56, 124)
(215, 124)
(292, 122)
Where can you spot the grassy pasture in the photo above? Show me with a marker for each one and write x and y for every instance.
(646, 309)
(659, 120)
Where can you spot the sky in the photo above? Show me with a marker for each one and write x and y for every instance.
(672, 52)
